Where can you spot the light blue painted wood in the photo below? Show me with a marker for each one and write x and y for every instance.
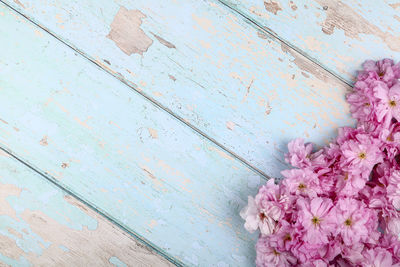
(120, 153)
(40, 225)
(339, 34)
(244, 90)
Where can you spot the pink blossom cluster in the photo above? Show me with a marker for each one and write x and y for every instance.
(340, 205)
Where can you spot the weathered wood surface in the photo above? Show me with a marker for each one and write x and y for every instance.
(238, 86)
(120, 153)
(340, 35)
(40, 225)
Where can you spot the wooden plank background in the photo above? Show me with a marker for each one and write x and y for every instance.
(243, 89)
(339, 35)
(163, 116)
(134, 162)
(41, 225)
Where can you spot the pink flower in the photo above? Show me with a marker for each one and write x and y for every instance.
(349, 184)
(300, 155)
(362, 102)
(256, 219)
(390, 138)
(361, 153)
(352, 254)
(285, 237)
(315, 263)
(383, 70)
(388, 105)
(393, 189)
(268, 256)
(315, 217)
(301, 182)
(377, 257)
(271, 201)
(354, 221)
(392, 244)
(393, 226)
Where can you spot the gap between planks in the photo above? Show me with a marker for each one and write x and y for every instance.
(149, 98)
(102, 213)
(255, 24)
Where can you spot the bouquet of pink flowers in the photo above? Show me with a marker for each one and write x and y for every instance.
(340, 205)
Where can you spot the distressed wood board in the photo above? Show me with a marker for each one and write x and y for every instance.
(114, 149)
(206, 65)
(339, 35)
(40, 225)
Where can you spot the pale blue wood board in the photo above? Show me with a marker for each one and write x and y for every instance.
(340, 35)
(41, 225)
(114, 149)
(241, 88)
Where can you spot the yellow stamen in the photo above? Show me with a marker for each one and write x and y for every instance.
(362, 155)
(315, 220)
(287, 237)
(302, 186)
(392, 103)
(348, 222)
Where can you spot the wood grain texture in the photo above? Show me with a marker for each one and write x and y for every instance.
(340, 35)
(40, 225)
(238, 86)
(114, 149)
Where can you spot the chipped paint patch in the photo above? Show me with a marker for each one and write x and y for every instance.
(230, 125)
(272, 6)
(127, 34)
(304, 64)
(395, 5)
(19, 3)
(153, 133)
(342, 16)
(172, 77)
(163, 41)
(64, 165)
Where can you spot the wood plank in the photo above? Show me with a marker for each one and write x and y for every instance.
(118, 152)
(246, 91)
(41, 225)
(340, 35)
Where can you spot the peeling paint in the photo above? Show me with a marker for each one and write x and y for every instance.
(44, 141)
(172, 77)
(127, 34)
(163, 41)
(342, 16)
(19, 3)
(153, 133)
(272, 6)
(230, 125)
(64, 165)
(305, 64)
